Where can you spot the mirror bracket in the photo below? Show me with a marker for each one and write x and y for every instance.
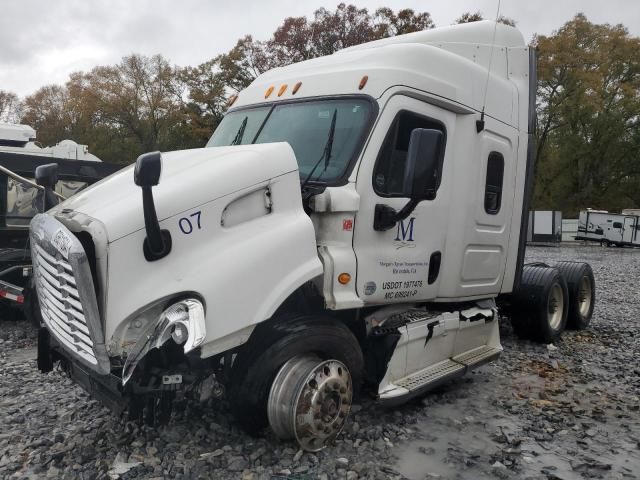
(386, 217)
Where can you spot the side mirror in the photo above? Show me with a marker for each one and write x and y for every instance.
(423, 162)
(148, 168)
(47, 177)
(421, 176)
(147, 171)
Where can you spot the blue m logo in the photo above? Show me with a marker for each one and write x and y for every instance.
(404, 232)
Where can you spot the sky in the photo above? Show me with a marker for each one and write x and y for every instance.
(43, 41)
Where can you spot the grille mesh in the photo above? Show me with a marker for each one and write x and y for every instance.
(66, 292)
(60, 304)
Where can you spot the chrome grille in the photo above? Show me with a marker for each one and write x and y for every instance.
(66, 293)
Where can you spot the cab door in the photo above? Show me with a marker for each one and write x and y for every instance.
(401, 264)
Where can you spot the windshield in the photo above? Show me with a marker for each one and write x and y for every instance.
(306, 126)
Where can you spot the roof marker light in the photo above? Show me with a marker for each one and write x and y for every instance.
(296, 87)
(283, 88)
(363, 82)
(268, 92)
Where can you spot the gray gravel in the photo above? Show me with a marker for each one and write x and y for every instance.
(570, 410)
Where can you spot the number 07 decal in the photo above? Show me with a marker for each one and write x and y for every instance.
(186, 224)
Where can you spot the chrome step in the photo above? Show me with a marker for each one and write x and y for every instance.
(421, 381)
(435, 375)
(478, 356)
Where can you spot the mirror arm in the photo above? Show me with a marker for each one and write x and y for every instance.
(386, 217)
(154, 237)
(157, 244)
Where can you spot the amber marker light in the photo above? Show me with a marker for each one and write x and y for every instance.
(344, 278)
(268, 92)
(363, 82)
(296, 87)
(283, 88)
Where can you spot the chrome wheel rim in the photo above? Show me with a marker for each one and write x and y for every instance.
(310, 400)
(555, 306)
(584, 296)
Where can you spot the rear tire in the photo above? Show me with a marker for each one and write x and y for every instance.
(582, 293)
(272, 345)
(541, 304)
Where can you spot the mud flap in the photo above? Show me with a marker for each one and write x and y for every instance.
(45, 357)
(379, 349)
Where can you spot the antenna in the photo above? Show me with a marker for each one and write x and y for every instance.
(480, 123)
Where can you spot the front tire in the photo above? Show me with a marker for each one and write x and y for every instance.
(541, 304)
(581, 286)
(271, 346)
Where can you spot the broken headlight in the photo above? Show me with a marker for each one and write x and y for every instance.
(184, 322)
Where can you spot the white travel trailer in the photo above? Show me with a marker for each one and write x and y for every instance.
(352, 221)
(619, 229)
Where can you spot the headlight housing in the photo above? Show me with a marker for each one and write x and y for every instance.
(183, 321)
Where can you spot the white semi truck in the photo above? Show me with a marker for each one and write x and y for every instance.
(353, 223)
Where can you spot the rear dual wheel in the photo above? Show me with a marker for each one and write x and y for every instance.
(581, 287)
(541, 304)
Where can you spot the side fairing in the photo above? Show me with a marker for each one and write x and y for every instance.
(243, 254)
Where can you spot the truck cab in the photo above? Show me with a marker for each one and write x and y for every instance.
(350, 224)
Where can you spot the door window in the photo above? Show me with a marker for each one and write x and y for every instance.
(389, 172)
(493, 184)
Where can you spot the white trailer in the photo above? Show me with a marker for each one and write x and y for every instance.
(353, 221)
(619, 229)
(544, 226)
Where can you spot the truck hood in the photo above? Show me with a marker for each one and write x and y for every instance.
(189, 178)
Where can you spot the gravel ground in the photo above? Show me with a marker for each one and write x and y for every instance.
(569, 410)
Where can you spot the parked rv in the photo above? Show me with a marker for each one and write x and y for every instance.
(21, 198)
(619, 229)
(355, 220)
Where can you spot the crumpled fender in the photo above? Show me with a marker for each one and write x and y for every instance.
(243, 254)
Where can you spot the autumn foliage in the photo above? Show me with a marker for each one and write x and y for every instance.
(588, 99)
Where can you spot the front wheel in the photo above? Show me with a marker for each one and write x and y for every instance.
(277, 369)
(310, 400)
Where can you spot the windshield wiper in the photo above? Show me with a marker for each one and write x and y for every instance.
(237, 140)
(326, 153)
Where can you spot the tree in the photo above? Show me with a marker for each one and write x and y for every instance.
(405, 21)
(244, 62)
(140, 98)
(46, 111)
(205, 103)
(10, 107)
(299, 39)
(469, 17)
(589, 128)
